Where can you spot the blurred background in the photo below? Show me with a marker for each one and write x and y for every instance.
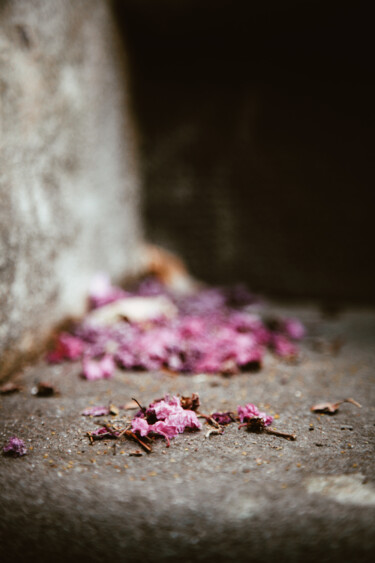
(255, 125)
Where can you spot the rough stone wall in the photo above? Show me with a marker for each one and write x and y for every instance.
(68, 173)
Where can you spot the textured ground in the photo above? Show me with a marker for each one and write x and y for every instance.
(235, 497)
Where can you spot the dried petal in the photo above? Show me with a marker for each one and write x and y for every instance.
(223, 417)
(332, 408)
(191, 403)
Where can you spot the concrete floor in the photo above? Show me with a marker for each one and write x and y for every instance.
(235, 497)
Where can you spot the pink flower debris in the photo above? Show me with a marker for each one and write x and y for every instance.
(93, 369)
(68, 347)
(15, 447)
(213, 330)
(171, 419)
(250, 411)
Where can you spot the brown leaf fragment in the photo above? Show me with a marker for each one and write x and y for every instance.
(136, 453)
(113, 410)
(190, 403)
(332, 408)
(44, 389)
(8, 388)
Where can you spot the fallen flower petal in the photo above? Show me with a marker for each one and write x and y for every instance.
(250, 411)
(282, 346)
(98, 369)
(141, 426)
(15, 447)
(294, 329)
(96, 411)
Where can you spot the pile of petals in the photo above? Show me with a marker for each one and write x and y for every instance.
(15, 447)
(213, 330)
(165, 417)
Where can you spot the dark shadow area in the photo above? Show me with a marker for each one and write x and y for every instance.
(256, 131)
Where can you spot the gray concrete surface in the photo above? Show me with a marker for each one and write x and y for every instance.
(68, 170)
(235, 497)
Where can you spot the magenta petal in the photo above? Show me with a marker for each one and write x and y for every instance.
(96, 411)
(15, 447)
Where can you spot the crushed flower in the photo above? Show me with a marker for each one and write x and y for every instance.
(15, 447)
(165, 417)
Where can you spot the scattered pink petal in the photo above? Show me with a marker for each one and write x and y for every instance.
(96, 411)
(15, 447)
(141, 426)
(283, 347)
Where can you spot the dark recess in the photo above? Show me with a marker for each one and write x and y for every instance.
(256, 135)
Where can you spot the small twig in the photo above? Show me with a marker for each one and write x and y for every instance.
(353, 402)
(281, 434)
(209, 419)
(134, 436)
(124, 430)
(143, 409)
